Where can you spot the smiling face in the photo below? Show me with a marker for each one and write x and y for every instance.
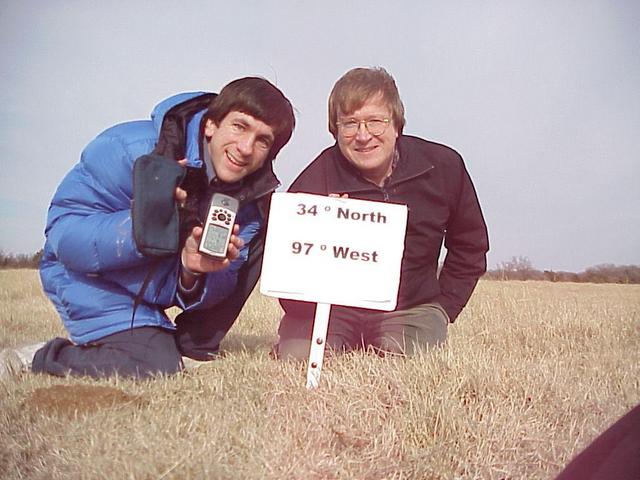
(238, 146)
(371, 154)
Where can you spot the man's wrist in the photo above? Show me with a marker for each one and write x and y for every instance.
(193, 287)
(190, 272)
(186, 269)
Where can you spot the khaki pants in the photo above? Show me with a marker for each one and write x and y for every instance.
(399, 332)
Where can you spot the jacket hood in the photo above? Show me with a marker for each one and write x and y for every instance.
(159, 111)
(192, 134)
(178, 120)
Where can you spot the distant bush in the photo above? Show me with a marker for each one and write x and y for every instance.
(608, 273)
(520, 268)
(21, 260)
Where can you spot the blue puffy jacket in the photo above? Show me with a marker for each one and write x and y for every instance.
(91, 268)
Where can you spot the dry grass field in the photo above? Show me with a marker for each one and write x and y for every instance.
(531, 374)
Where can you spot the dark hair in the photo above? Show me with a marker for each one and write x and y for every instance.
(257, 97)
(357, 86)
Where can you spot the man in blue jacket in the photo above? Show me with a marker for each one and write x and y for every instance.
(109, 293)
(373, 160)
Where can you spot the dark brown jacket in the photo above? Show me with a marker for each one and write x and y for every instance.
(432, 181)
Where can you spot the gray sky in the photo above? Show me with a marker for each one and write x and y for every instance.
(541, 98)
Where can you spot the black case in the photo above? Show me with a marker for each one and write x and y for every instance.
(154, 210)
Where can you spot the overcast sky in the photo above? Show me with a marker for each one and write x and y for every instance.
(541, 98)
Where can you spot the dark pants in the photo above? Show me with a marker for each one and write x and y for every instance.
(140, 352)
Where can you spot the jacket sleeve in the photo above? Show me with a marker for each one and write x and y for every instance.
(89, 220)
(467, 243)
(220, 285)
(200, 331)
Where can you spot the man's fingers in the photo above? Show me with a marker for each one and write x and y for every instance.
(232, 252)
(197, 231)
(199, 262)
(191, 244)
(236, 241)
(181, 195)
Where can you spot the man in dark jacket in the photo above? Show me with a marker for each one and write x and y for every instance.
(110, 288)
(373, 160)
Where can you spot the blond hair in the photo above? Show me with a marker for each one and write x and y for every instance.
(357, 86)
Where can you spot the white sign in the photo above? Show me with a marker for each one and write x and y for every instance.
(338, 251)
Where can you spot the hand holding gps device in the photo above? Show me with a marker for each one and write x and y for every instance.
(218, 225)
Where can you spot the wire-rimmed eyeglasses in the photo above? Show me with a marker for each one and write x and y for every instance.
(375, 126)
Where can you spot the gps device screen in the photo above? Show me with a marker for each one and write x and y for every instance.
(215, 238)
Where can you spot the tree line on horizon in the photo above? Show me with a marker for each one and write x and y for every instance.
(517, 268)
(20, 260)
(521, 268)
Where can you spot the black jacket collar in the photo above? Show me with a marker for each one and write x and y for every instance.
(344, 177)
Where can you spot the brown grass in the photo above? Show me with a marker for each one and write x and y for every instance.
(532, 373)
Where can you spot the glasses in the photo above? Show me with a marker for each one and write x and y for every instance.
(375, 126)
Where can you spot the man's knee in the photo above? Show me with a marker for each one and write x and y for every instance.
(140, 353)
(294, 341)
(293, 349)
(417, 329)
(407, 345)
(294, 338)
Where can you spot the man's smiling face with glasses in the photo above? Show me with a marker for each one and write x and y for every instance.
(367, 138)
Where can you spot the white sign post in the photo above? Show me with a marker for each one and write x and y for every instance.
(318, 340)
(332, 251)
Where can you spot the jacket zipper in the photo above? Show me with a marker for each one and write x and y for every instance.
(384, 190)
(258, 196)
